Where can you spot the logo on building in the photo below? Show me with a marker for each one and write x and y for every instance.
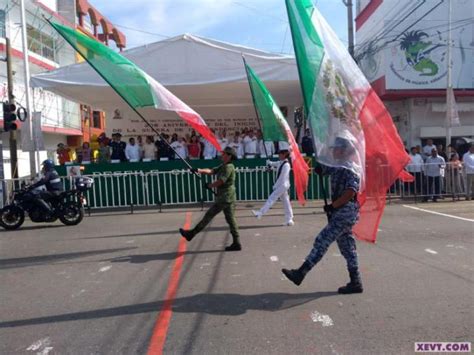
(424, 61)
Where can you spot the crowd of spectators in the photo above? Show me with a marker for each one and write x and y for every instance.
(437, 171)
(247, 143)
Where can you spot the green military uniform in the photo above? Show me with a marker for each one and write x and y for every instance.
(225, 201)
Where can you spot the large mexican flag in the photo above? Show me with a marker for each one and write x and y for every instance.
(276, 128)
(340, 102)
(135, 86)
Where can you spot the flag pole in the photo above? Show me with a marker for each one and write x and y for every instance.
(254, 105)
(135, 110)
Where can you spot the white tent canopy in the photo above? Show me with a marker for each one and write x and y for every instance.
(206, 74)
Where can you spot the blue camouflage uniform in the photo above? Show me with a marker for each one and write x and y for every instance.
(341, 221)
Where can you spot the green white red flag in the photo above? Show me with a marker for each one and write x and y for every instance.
(276, 128)
(135, 86)
(340, 102)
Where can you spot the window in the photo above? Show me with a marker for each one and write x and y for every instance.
(41, 43)
(2, 24)
(96, 119)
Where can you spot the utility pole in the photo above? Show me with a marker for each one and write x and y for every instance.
(450, 80)
(11, 100)
(350, 26)
(27, 88)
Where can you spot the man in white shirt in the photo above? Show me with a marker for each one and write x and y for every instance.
(180, 148)
(223, 141)
(132, 150)
(427, 149)
(237, 145)
(209, 151)
(433, 168)
(416, 169)
(250, 143)
(149, 149)
(468, 162)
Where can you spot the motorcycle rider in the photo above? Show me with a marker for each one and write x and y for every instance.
(51, 181)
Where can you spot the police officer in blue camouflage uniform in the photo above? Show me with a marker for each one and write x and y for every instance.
(343, 213)
(51, 181)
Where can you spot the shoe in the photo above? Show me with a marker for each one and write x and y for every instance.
(186, 234)
(234, 247)
(354, 286)
(350, 288)
(289, 224)
(293, 275)
(257, 214)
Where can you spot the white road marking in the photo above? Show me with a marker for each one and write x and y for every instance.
(455, 246)
(324, 319)
(257, 234)
(105, 268)
(130, 241)
(234, 263)
(274, 258)
(236, 275)
(42, 346)
(205, 264)
(431, 251)
(336, 254)
(439, 213)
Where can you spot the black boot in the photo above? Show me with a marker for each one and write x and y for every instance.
(186, 234)
(297, 275)
(354, 286)
(234, 247)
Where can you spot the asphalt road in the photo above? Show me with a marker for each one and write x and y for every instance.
(100, 287)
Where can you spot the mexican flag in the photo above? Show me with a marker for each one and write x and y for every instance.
(135, 86)
(340, 102)
(276, 128)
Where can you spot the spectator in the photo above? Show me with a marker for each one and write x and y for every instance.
(237, 145)
(265, 149)
(223, 141)
(104, 153)
(63, 154)
(140, 145)
(307, 143)
(468, 161)
(209, 151)
(250, 143)
(416, 169)
(149, 149)
(132, 151)
(86, 152)
(419, 150)
(454, 174)
(180, 149)
(194, 148)
(164, 150)
(427, 149)
(434, 165)
(118, 148)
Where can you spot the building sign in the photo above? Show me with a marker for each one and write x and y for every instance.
(417, 57)
(129, 124)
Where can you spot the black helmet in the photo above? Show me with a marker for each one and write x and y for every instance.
(48, 164)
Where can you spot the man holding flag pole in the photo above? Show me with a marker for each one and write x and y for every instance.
(351, 129)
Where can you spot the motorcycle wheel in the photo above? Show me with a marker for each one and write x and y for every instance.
(72, 214)
(11, 217)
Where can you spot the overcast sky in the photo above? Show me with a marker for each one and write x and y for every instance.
(260, 24)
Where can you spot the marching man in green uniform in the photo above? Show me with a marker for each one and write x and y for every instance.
(225, 199)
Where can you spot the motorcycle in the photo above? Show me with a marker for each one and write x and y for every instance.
(67, 206)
